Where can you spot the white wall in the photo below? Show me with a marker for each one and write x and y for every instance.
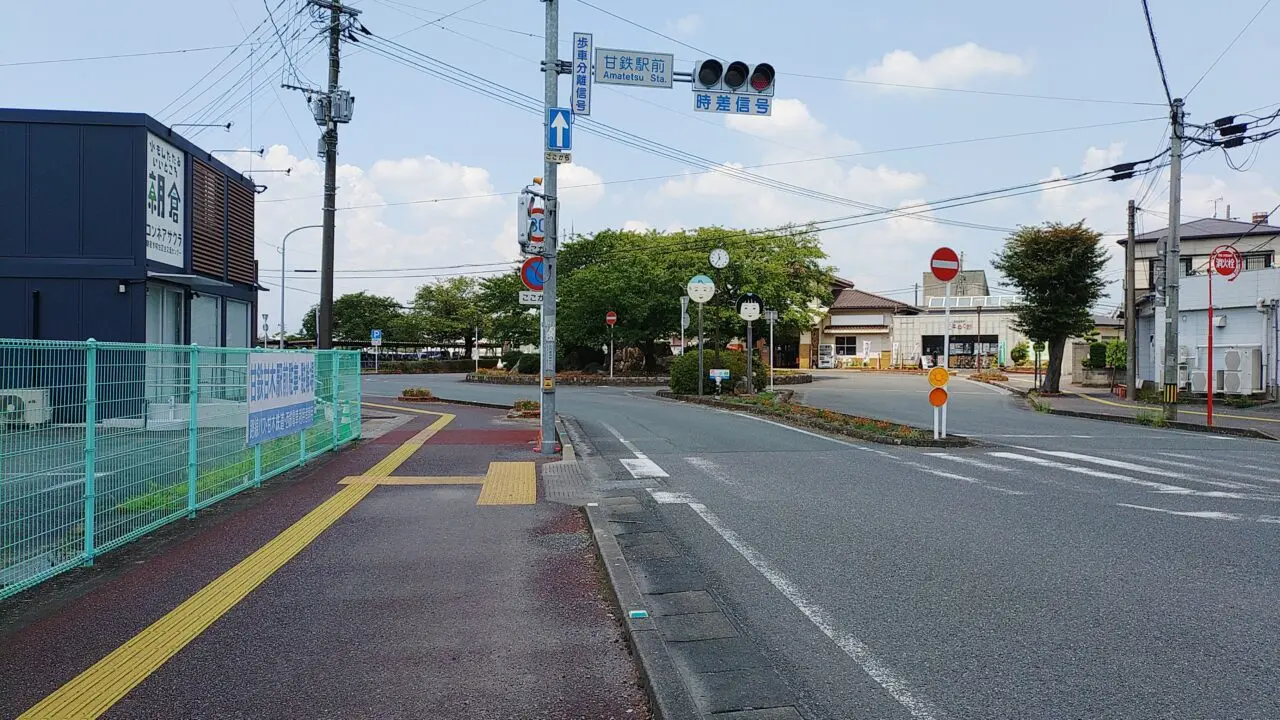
(909, 329)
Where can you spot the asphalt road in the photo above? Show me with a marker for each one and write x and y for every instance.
(1069, 568)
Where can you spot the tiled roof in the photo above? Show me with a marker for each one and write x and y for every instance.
(851, 299)
(1209, 228)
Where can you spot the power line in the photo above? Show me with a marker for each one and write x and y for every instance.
(649, 29)
(970, 91)
(519, 100)
(1227, 49)
(1151, 30)
(120, 56)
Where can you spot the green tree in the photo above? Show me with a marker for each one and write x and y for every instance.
(1019, 353)
(641, 276)
(356, 314)
(1117, 355)
(1057, 270)
(449, 311)
(508, 321)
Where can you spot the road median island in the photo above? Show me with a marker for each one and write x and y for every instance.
(779, 407)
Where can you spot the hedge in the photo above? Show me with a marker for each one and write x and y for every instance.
(684, 371)
(426, 367)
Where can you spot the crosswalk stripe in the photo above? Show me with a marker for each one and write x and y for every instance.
(970, 461)
(1134, 467)
(1184, 464)
(1262, 468)
(1157, 486)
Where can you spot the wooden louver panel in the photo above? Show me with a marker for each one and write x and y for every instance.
(240, 209)
(207, 216)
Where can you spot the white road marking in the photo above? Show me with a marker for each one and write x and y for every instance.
(993, 388)
(640, 467)
(663, 497)
(898, 688)
(1206, 514)
(715, 471)
(969, 461)
(954, 476)
(1158, 487)
(1219, 471)
(1233, 463)
(1134, 467)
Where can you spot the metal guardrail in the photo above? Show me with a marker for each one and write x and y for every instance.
(101, 443)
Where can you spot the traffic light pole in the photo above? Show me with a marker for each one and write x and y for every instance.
(551, 70)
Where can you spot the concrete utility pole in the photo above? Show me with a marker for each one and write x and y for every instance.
(1173, 263)
(551, 73)
(324, 315)
(1131, 309)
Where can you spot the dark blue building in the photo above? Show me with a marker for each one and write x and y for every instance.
(114, 227)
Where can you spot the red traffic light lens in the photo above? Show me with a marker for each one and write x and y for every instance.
(709, 72)
(762, 77)
(736, 74)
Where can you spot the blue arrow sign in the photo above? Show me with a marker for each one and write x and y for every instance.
(559, 130)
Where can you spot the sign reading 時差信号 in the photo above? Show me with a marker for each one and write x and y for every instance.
(282, 395)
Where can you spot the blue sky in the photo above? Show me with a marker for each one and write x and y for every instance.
(416, 137)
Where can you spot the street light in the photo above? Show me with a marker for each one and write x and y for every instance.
(283, 243)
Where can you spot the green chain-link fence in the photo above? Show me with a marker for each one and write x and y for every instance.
(101, 443)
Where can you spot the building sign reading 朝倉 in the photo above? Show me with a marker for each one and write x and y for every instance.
(282, 395)
(166, 202)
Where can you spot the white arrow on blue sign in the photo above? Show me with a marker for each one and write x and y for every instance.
(559, 130)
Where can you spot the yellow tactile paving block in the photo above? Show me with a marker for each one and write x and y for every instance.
(406, 480)
(94, 691)
(510, 483)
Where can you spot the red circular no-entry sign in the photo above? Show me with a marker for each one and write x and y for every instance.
(945, 264)
(611, 318)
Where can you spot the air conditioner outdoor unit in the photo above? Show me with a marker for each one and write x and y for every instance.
(1232, 359)
(24, 406)
(1231, 384)
(1199, 381)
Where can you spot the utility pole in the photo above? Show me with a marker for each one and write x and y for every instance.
(324, 316)
(1173, 263)
(551, 76)
(1131, 309)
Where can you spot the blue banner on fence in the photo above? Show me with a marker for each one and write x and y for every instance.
(282, 395)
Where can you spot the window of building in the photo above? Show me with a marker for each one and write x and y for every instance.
(1257, 261)
(206, 320)
(846, 345)
(239, 324)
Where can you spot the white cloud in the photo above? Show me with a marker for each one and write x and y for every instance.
(687, 25)
(637, 226)
(953, 67)
(794, 126)
(378, 233)
(589, 181)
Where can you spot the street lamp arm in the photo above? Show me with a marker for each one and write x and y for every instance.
(283, 243)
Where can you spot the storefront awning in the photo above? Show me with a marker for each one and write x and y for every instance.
(193, 281)
(847, 330)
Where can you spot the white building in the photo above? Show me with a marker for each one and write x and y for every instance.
(1246, 334)
(983, 325)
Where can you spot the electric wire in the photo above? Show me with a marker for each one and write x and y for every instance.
(1155, 46)
(1227, 49)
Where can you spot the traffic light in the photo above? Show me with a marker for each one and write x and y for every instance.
(738, 77)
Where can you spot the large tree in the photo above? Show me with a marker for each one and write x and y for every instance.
(356, 314)
(1057, 270)
(449, 311)
(508, 321)
(641, 276)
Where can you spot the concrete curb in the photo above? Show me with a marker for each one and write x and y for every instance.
(1125, 419)
(1175, 425)
(951, 441)
(668, 697)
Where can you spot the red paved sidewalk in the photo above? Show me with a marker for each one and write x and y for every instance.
(416, 603)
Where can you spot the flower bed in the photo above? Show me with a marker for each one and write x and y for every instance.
(829, 421)
(583, 379)
(416, 395)
(525, 409)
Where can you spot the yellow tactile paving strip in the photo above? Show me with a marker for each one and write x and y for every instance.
(94, 691)
(510, 483)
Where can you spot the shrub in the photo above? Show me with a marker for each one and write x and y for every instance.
(511, 358)
(416, 393)
(1117, 355)
(1154, 419)
(526, 405)
(1097, 359)
(1020, 352)
(528, 364)
(684, 371)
